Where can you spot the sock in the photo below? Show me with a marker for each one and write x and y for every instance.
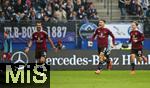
(132, 66)
(107, 59)
(100, 65)
(144, 59)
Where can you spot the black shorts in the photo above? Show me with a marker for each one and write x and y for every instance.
(40, 53)
(104, 50)
(137, 52)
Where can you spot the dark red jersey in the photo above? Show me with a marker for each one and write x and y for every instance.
(138, 37)
(102, 36)
(40, 39)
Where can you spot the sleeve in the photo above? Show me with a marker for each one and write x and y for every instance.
(46, 34)
(130, 40)
(141, 37)
(113, 37)
(32, 38)
(94, 35)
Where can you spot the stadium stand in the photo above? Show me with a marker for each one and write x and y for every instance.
(63, 10)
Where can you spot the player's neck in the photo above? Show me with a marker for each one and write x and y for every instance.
(101, 27)
(135, 29)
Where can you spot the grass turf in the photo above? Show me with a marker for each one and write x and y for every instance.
(107, 79)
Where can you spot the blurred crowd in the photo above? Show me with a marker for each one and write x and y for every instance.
(134, 8)
(47, 10)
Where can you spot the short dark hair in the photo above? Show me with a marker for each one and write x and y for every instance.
(38, 23)
(103, 20)
(136, 23)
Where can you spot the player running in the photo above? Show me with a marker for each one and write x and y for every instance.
(41, 48)
(136, 39)
(102, 34)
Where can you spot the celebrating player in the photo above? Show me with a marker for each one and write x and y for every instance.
(41, 48)
(136, 39)
(102, 34)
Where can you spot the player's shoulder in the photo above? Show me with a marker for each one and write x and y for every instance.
(140, 32)
(97, 28)
(34, 33)
(131, 32)
(107, 29)
(44, 32)
(137, 31)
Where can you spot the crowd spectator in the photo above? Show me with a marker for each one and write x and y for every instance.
(73, 16)
(2, 17)
(139, 9)
(81, 13)
(62, 10)
(32, 16)
(56, 10)
(145, 4)
(68, 7)
(122, 7)
(60, 14)
(148, 12)
(91, 12)
(134, 8)
(77, 5)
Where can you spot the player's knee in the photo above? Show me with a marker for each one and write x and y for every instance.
(101, 55)
(102, 58)
(132, 57)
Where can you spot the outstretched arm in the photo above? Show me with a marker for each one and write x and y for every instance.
(94, 35)
(113, 37)
(52, 44)
(29, 45)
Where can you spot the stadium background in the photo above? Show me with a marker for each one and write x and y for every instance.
(75, 29)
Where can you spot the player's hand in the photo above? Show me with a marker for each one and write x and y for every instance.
(55, 49)
(26, 50)
(112, 46)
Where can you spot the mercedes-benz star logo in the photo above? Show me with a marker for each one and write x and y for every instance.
(20, 58)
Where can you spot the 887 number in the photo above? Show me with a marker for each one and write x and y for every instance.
(57, 32)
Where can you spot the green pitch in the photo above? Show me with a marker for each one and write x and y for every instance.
(107, 79)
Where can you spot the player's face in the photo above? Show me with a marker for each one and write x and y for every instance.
(101, 23)
(133, 26)
(39, 27)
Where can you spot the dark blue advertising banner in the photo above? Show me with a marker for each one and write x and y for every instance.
(22, 32)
